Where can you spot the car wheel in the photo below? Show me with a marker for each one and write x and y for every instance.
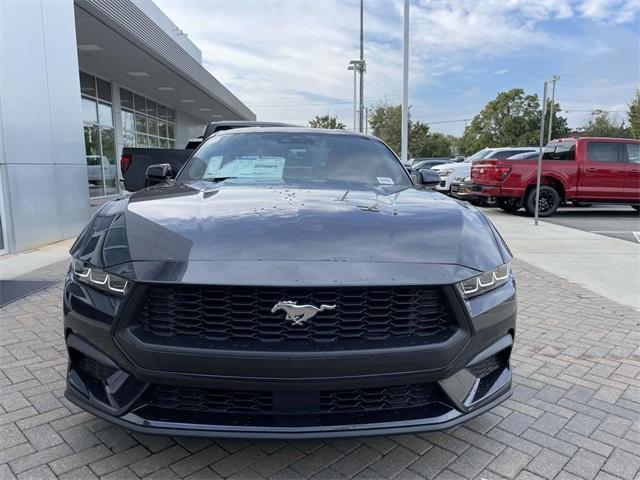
(509, 205)
(548, 203)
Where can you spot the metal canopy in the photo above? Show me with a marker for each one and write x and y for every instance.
(128, 41)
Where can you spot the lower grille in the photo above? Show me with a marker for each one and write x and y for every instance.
(232, 316)
(487, 366)
(371, 399)
(91, 366)
(201, 400)
(378, 399)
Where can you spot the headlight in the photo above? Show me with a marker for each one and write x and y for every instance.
(444, 173)
(98, 278)
(485, 282)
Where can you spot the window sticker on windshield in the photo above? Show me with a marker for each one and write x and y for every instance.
(212, 167)
(385, 180)
(250, 167)
(268, 167)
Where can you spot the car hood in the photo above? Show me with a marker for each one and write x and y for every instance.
(453, 166)
(235, 224)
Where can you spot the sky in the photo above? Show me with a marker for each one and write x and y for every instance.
(287, 59)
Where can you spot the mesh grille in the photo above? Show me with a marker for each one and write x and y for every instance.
(244, 314)
(201, 400)
(383, 398)
(93, 367)
(487, 366)
(261, 402)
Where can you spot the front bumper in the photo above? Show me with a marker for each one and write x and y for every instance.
(106, 379)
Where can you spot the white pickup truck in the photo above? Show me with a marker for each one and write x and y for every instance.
(449, 171)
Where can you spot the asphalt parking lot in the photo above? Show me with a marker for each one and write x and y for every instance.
(611, 220)
(574, 414)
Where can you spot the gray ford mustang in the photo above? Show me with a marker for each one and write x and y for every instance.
(288, 283)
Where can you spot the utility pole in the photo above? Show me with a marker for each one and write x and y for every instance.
(362, 64)
(553, 104)
(405, 86)
(353, 65)
(366, 120)
(538, 178)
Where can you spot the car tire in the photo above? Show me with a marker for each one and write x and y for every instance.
(549, 201)
(509, 205)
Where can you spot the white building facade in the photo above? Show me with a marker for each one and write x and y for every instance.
(80, 80)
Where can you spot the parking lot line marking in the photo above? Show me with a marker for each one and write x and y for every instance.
(637, 235)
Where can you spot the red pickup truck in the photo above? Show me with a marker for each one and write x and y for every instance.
(583, 169)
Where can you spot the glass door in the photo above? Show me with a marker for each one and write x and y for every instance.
(99, 140)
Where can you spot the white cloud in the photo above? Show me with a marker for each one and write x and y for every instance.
(610, 11)
(287, 60)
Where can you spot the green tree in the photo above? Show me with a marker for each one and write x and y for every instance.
(426, 144)
(386, 123)
(511, 119)
(634, 115)
(602, 124)
(326, 121)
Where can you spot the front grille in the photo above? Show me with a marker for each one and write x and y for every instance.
(261, 402)
(91, 366)
(201, 400)
(242, 316)
(382, 398)
(487, 366)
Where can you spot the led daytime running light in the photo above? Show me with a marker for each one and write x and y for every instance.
(485, 282)
(99, 278)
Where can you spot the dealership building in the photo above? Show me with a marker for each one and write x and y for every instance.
(80, 80)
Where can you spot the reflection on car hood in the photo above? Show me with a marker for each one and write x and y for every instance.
(250, 234)
(248, 222)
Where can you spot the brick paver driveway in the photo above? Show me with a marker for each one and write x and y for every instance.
(574, 412)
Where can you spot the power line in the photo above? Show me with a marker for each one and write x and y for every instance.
(595, 110)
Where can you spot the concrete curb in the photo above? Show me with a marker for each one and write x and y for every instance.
(607, 266)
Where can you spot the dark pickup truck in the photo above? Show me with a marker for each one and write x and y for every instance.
(135, 161)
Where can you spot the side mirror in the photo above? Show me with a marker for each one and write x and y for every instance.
(158, 173)
(426, 177)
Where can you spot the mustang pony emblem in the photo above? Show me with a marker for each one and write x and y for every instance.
(299, 314)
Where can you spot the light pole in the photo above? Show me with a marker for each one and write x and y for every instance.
(553, 104)
(356, 66)
(541, 153)
(363, 65)
(405, 86)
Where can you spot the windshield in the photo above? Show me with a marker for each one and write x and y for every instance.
(278, 157)
(479, 155)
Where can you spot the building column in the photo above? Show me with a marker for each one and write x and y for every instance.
(41, 139)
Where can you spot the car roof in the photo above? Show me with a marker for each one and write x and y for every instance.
(524, 154)
(602, 139)
(249, 123)
(308, 130)
(502, 149)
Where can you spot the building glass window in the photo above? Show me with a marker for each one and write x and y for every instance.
(99, 139)
(146, 123)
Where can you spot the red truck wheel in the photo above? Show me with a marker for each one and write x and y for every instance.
(548, 203)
